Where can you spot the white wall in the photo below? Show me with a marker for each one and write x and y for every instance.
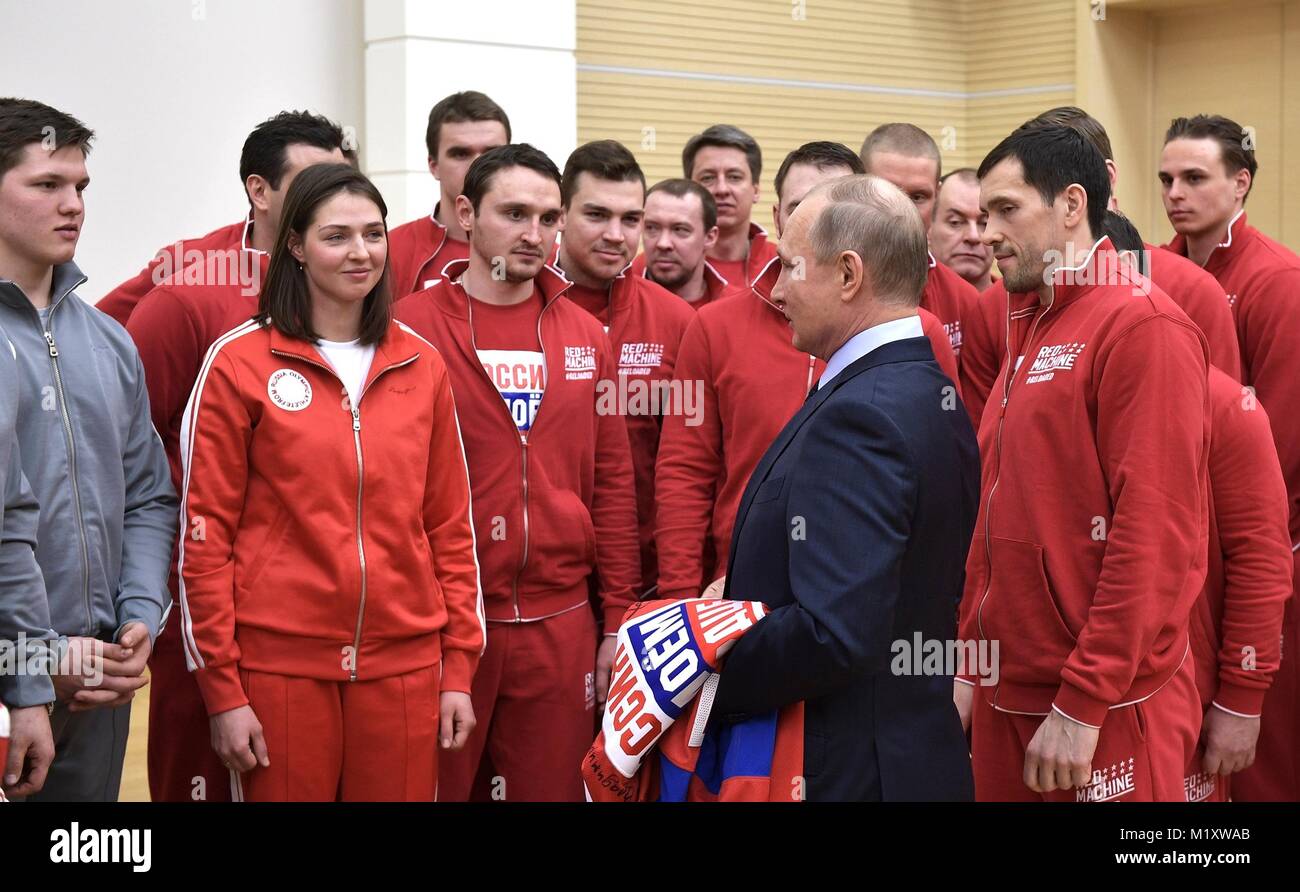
(519, 52)
(172, 88)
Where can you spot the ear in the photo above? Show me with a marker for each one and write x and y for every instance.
(1241, 184)
(1113, 173)
(849, 274)
(433, 168)
(710, 239)
(294, 245)
(258, 188)
(464, 213)
(1076, 206)
(776, 219)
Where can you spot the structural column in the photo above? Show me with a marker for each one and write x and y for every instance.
(518, 52)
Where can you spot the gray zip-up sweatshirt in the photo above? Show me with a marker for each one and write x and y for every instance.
(89, 449)
(24, 611)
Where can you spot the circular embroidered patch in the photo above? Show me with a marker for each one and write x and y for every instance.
(289, 390)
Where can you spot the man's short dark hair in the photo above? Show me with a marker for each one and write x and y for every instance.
(681, 187)
(1231, 137)
(901, 138)
(467, 105)
(265, 150)
(1054, 157)
(1125, 237)
(478, 179)
(26, 121)
(604, 159)
(965, 174)
(723, 136)
(1074, 117)
(821, 154)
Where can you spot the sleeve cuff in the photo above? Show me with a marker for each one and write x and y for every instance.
(614, 614)
(965, 679)
(1238, 699)
(1080, 707)
(140, 610)
(221, 688)
(457, 671)
(21, 691)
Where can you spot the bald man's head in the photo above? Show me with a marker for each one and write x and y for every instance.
(853, 256)
(909, 158)
(872, 218)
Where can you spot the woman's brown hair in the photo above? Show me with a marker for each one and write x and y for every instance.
(285, 302)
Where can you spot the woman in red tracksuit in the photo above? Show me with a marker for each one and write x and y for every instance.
(329, 587)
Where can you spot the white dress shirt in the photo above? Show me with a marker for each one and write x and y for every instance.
(867, 340)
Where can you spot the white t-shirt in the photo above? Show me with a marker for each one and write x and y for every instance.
(351, 362)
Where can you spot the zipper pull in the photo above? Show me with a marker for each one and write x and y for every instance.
(523, 437)
(356, 419)
(49, 339)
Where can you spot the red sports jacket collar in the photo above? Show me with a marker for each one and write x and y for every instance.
(765, 281)
(1100, 266)
(243, 239)
(453, 300)
(1237, 238)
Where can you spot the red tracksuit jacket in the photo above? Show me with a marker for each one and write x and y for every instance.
(555, 505)
(321, 537)
(1249, 578)
(716, 286)
(1262, 278)
(1090, 545)
(1199, 295)
(754, 382)
(121, 301)
(417, 253)
(950, 298)
(173, 326)
(646, 324)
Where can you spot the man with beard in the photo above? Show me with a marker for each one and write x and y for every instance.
(680, 228)
(550, 477)
(1091, 541)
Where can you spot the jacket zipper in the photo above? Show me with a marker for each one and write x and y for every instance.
(1002, 413)
(361, 548)
(48, 332)
(523, 440)
(356, 439)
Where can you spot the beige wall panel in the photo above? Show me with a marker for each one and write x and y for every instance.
(655, 116)
(1290, 130)
(1225, 60)
(898, 44)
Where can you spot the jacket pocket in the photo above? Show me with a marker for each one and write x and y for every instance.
(269, 543)
(1021, 615)
(562, 538)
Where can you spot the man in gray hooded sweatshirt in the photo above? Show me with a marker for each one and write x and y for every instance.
(108, 512)
(25, 687)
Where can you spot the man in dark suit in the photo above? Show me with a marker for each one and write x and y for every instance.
(855, 525)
